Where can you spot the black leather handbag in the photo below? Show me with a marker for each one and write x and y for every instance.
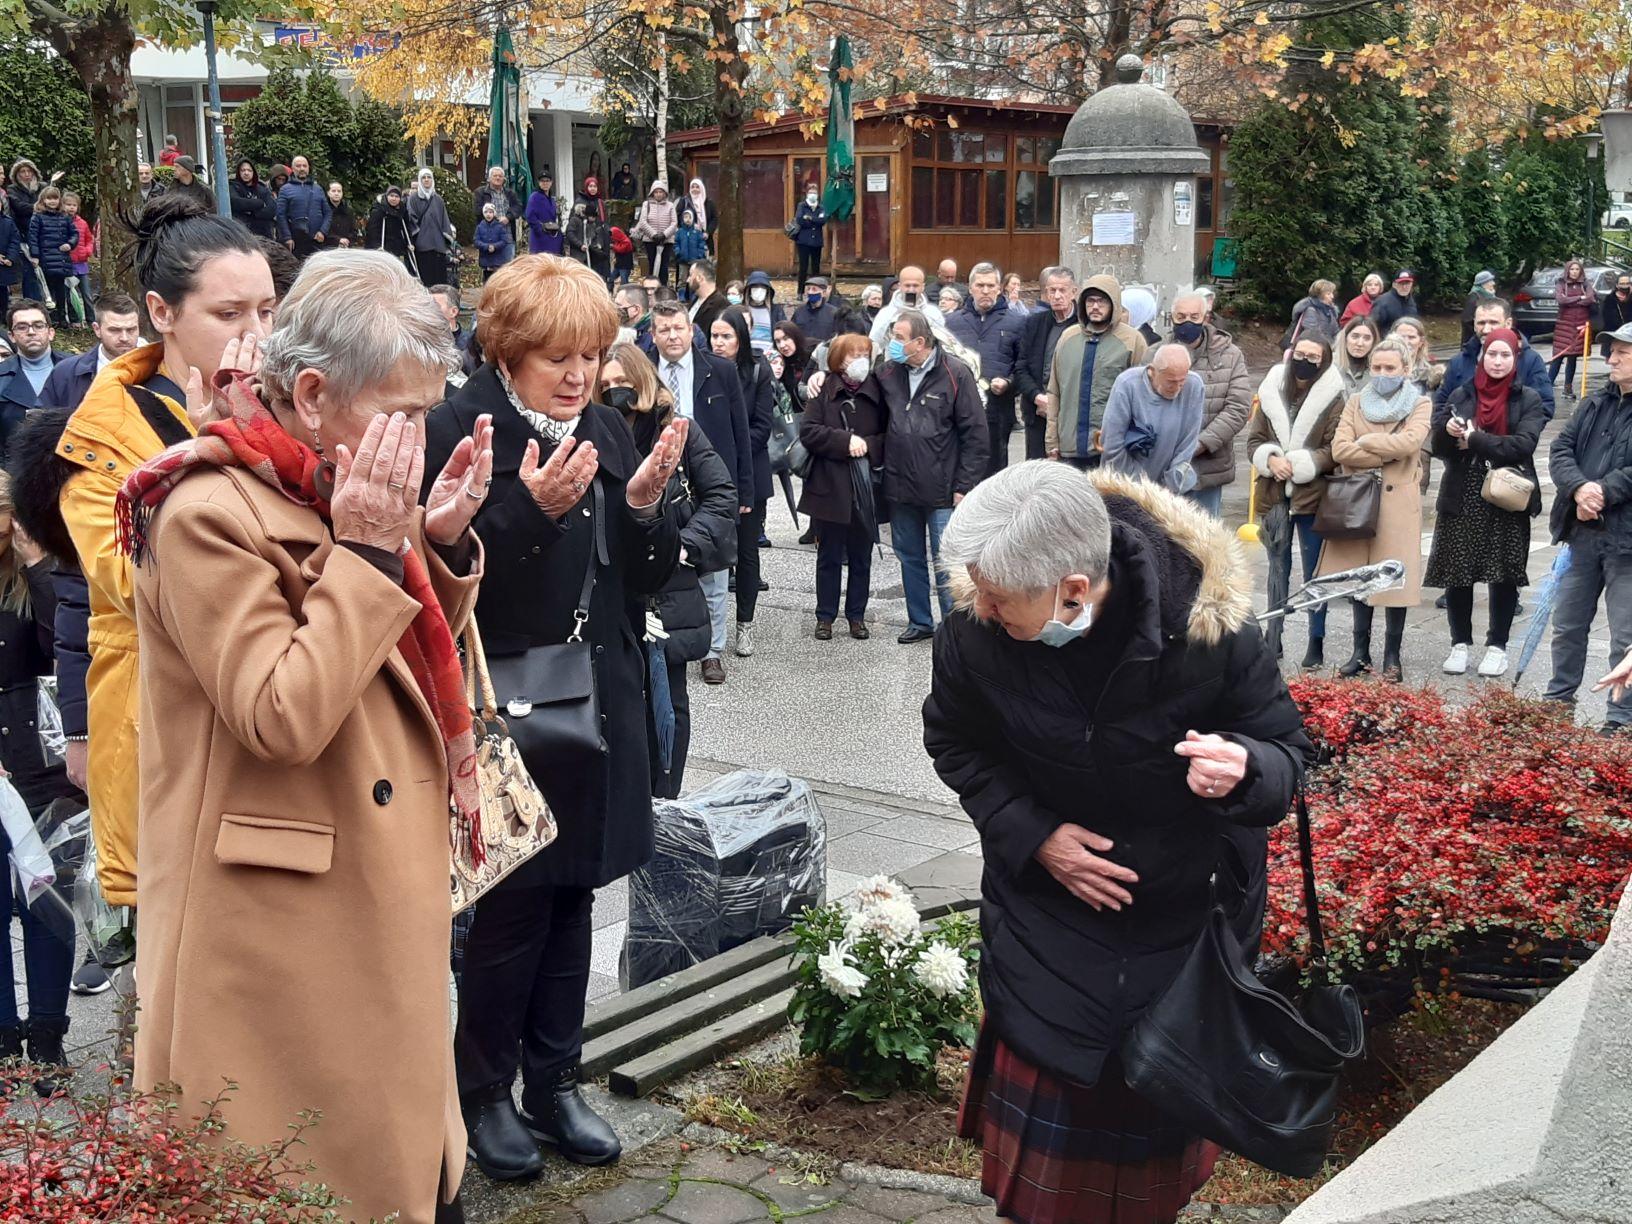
(551, 706)
(1351, 506)
(1238, 1063)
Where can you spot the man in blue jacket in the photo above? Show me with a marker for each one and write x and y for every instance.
(23, 375)
(303, 210)
(1487, 317)
(985, 324)
(118, 329)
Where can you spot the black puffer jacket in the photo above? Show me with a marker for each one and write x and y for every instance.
(937, 445)
(1030, 741)
(25, 656)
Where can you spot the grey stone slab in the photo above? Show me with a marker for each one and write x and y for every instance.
(841, 883)
(897, 1205)
(611, 904)
(600, 987)
(707, 1203)
(628, 1200)
(607, 948)
(844, 1213)
(936, 831)
(841, 822)
(720, 1164)
(792, 1194)
(869, 854)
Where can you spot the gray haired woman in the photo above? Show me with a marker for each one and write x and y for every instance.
(1114, 724)
(307, 739)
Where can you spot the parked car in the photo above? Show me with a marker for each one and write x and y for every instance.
(1618, 216)
(1535, 311)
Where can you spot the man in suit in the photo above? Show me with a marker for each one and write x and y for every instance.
(708, 303)
(118, 329)
(23, 375)
(706, 390)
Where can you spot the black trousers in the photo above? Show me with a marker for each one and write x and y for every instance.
(748, 528)
(1504, 605)
(999, 425)
(433, 267)
(835, 545)
(304, 247)
(657, 260)
(810, 264)
(667, 785)
(521, 1001)
(1036, 433)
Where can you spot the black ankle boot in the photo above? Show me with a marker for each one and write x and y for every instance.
(45, 1050)
(499, 1142)
(1393, 640)
(1314, 658)
(560, 1115)
(1359, 662)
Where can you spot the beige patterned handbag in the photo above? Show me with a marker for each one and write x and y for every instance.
(515, 821)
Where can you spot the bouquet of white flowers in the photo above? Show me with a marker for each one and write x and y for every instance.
(877, 995)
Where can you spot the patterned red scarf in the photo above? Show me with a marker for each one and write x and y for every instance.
(252, 439)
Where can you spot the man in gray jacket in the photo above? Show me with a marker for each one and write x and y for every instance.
(1153, 419)
(1223, 370)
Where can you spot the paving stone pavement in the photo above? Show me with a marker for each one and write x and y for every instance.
(672, 1182)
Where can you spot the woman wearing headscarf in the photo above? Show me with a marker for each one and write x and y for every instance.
(1361, 303)
(543, 218)
(575, 513)
(1290, 446)
(708, 217)
(1108, 714)
(1382, 429)
(593, 232)
(309, 760)
(388, 228)
(1351, 355)
(1140, 304)
(1494, 422)
(1577, 308)
(705, 505)
(433, 233)
(843, 423)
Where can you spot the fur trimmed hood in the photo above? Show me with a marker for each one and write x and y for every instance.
(1219, 592)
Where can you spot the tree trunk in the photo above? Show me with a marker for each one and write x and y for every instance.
(99, 49)
(661, 127)
(729, 79)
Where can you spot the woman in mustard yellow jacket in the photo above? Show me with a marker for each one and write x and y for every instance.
(209, 293)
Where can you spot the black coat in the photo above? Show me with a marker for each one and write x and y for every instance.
(759, 401)
(1613, 314)
(253, 206)
(1390, 308)
(533, 571)
(70, 379)
(17, 395)
(388, 231)
(1595, 445)
(831, 318)
(831, 420)
(1008, 731)
(26, 643)
(342, 224)
(717, 405)
(938, 443)
(1526, 418)
(705, 503)
(714, 305)
(1031, 358)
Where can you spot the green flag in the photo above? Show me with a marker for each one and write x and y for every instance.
(507, 135)
(840, 198)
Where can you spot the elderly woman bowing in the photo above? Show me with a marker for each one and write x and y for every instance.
(1114, 724)
(579, 535)
(297, 613)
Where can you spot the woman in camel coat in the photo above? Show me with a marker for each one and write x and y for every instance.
(296, 782)
(1383, 428)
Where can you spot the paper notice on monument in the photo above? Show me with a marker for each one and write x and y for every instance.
(1114, 229)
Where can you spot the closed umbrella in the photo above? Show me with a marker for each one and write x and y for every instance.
(786, 481)
(862, 506)
(657, 668)
(1546, 597)
(1275, 534)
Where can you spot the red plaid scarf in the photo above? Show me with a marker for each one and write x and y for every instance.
(252, 439)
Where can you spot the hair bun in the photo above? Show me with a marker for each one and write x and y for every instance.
(165, 210)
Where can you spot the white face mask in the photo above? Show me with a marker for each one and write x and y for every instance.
(810, 197)
(1057, 633)
(857, 369)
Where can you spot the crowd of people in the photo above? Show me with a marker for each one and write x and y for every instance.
(266, 531)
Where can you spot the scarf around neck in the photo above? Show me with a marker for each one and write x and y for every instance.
(252, 439)
(1380, 411)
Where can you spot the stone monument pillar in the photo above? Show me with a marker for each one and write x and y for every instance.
(1127, 170)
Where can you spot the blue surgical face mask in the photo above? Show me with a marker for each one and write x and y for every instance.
(1387, 384)
(1187, 332)
(1057, 633)
(896, 351)
(734, 298)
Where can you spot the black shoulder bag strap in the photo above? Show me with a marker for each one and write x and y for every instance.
(1311, 903)
(159, 417)
(597, 558)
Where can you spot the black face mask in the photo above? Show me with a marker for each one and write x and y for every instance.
(1304, 370)
(620, 399)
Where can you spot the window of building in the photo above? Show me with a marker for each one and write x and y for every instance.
(764, 192)
(180, 119)
(1204, 202)
(966, 180)
(1035, 192)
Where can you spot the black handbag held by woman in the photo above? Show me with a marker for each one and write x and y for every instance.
(1238, 1063)
(553, 710)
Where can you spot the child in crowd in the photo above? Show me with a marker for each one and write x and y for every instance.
(51, 240)
(84, 251)
(495, 244)
(690, 245)
(623, 257)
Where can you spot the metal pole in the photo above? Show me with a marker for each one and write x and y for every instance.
(218, 135)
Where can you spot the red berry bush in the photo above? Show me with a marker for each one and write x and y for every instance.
(82, 1157)
(1481, 846)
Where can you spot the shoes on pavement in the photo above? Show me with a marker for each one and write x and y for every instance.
(1440, 602)
(90, 978)
(45, 1050)
(763, 585)
(1314, 658)
(1494, 663)
(1359, 662)
(765, 541)
(809, 537)
(859, 631)
(745, 639)
(566, 1120)
(501, 1145)
(1610, 729)
(1456, 663)
(713, 671)
(824, 631)
(916, 633)
(1518, 611)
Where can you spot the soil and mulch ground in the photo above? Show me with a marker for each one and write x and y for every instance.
(774, 1096)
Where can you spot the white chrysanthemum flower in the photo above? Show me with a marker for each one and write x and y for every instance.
(840, 976)
(942, 970)
(875, 890)
(895, 921)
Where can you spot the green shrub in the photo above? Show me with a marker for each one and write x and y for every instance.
(46, 117)
(460, 201)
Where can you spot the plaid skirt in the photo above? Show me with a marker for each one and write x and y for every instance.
(1057, 1152)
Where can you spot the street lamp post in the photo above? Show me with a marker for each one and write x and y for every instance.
(218, 136)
